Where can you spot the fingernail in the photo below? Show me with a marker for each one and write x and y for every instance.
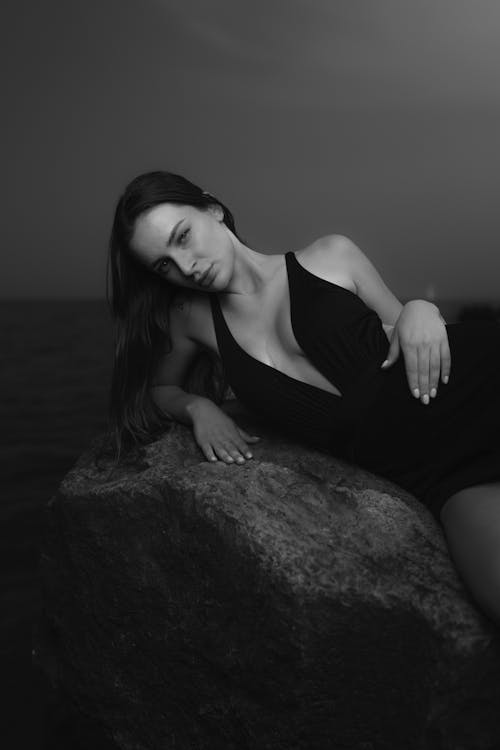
(240, 459)
(385, 363)
(248, 455)
(416, 393)
(425, 398)
(445, 379)
(230, 459)
(433, 393)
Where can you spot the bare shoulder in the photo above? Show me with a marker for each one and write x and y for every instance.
(180, 312)
(190, 315)
(183, 341)
(338, 259)
(331, 258)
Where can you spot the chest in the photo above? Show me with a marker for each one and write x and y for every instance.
(262, 328)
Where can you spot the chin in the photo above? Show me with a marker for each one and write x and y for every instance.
(219, 282)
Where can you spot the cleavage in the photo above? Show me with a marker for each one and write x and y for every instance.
(269, 334)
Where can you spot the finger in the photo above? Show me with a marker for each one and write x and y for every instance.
(243, 447)
(223, 454)
(434, 370)
(445, 361)
(411, 365)
(249, 438)
(423, 373)
(236, 451)
(208, 452)
(393, 352)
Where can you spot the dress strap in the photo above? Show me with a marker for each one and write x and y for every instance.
(225, 341)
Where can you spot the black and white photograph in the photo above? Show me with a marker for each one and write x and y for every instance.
(250, 335)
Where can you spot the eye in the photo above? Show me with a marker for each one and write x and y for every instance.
(164, 265)
(181, 238)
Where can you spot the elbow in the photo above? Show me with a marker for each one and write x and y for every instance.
(159, 396)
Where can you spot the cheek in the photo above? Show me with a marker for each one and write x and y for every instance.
(172, 277)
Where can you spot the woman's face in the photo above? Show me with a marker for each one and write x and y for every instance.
(186, 246)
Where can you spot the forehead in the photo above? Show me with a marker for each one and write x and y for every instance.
(153, 227)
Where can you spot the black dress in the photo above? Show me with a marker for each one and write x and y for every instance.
(433, 451)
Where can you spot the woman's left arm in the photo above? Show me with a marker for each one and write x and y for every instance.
(419, 329)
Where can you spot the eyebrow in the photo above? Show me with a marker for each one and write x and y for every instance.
(169, 242)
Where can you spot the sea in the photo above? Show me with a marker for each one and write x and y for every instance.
(54, 379)
(56, 366)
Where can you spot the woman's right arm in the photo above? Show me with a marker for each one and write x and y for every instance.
(218, 436)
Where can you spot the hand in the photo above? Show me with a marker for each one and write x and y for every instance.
(218, 436)
(420, 332)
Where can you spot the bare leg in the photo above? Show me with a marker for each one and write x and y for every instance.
(471, 520)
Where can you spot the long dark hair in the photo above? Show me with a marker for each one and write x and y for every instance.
(139, 302)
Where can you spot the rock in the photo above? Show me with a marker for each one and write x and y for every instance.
(296, 602)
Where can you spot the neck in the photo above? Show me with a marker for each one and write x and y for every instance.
(252, 270)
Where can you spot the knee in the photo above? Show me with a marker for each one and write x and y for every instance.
(487, 597)
(481, 577)
(485, 588)
(471, 521)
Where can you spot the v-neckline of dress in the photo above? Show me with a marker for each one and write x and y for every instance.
(301, 383)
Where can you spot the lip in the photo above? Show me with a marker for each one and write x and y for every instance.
(203, 278)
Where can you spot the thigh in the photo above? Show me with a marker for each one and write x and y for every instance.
(471, 521)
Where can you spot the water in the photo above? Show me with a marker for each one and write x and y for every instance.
(56, 363)
(56, 366)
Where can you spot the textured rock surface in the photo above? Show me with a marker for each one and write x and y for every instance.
(295, 602)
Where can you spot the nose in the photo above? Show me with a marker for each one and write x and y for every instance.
(185, 264)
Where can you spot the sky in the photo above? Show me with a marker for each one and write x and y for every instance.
(377, 120)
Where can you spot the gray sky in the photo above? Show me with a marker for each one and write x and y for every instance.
(379, 120)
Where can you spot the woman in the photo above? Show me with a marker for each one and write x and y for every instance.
(304, 341)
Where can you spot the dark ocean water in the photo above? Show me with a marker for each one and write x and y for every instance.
(56, 366)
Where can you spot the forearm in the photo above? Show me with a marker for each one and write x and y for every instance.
(177, 403)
